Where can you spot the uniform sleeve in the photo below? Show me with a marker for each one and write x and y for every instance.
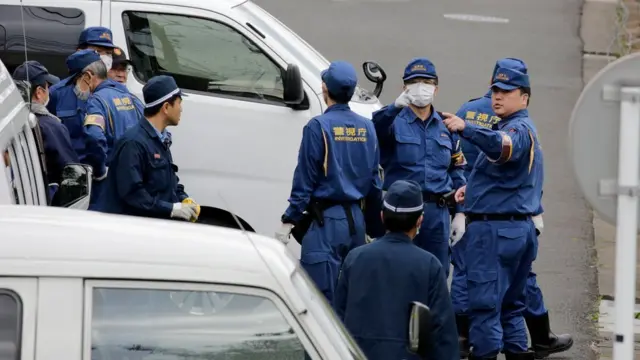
(383, 121)
(443, 324)
(180, 190)
(457, 166)
(130, 181)
(373, 200)
(512, 143)
(95, 123)
(309, 167)
(57, 147)
(540, 210)
(342, 289)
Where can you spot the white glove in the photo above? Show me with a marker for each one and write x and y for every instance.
(104, 176)
(458, 227)
(403, 100)
(284, 233)
(183, 211)
(539, 223)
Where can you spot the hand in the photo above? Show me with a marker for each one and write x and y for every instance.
(104, 176)
(453, 123)
(539, 223)
(183, 211)
(459, 196)
(403, 100)
(284, 233)
(191, 201)
(458, 227)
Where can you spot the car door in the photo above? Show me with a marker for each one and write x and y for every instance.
(18, 299)
(236, 136)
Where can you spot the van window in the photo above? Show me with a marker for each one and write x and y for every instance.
(52, 35)
(154, 324)
(12, 172)
(10, 325)
(202, 55)
(30, 173)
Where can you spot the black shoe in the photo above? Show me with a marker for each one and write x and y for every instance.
(543, 341)
(529, 355)
(462, 323)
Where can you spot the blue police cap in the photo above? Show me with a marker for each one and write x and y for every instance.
(404, 197)
(160, 89)
(35, 73)
(80, 59)
(340, 79)
(96, 36)
(509, 79)
(510, 63)
(420, 68)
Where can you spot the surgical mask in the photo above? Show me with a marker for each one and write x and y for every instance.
(82, 95)
(107, 60)
(421, 93)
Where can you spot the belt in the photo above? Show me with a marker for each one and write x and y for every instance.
(324, 204)
(439, 199)
(497, 217)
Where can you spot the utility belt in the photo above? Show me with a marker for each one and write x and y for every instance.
(497, 217)
(442, 200)
(315, 212)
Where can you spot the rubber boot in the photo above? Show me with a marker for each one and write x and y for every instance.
(543, 341)
(529, 355)
(462, 323)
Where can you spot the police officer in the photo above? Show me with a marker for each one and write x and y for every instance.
(337, 168)
(544, 341)
(58, 150)
(502, 195)
(415, 145)
(120, 66)
(379, 281)
(110, 112)
(142, 180)
(68, 97)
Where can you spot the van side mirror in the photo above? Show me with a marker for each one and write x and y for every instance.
(375, 74)
(420, 329)
(74, 191)
(292, 83)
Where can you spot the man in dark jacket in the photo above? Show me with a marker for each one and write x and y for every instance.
(34, 81)
(379, 281)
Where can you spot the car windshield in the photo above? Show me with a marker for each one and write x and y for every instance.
(319, 307)
(309, 59)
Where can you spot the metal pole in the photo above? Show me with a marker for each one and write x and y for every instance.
(627, 224)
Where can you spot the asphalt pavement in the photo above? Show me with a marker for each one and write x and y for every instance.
(545, 34)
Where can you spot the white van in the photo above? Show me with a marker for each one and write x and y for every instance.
(253, 85)
(22, 180)
(80, 285)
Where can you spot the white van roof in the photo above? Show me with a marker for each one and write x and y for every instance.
(46, 241)
(203, 4)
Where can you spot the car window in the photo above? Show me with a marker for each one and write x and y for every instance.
(10, 324)
(52, 35)
(12, 173)
(30, 172)
(149, 324)
(202, 55)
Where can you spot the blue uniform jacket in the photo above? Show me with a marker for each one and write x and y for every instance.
(338, 160)
(64, 104)
(111, 110)
(142, 179)
(508, 175)
(423, 151)
(376, 286)
(58, 150)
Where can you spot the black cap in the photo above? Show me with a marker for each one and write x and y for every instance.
(119, 58)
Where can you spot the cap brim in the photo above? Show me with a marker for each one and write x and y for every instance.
(51, 79)
(183, 94)
(102, 44)
(504, 86)
(120, 62)
(415, 76)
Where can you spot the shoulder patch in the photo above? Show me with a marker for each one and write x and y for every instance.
(93, 119)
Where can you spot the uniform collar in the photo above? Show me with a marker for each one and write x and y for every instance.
(337, 107)
(150, 129)
(518, 114)
(488, 94)
(396, 237)
(410, 116)
(104, 84)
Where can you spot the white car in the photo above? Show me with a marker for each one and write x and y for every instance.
(253, 85)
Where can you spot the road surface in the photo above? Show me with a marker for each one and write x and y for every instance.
(545, 34)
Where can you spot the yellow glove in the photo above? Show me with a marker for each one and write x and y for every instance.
(191, 201)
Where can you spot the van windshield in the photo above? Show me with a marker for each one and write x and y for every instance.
(319, 307)
(305, 54)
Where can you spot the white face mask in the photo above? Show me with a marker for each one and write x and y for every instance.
(107, 60)
(421, 93)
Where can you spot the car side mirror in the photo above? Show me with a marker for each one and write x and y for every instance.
(375, 74)
(419, 330)
(292, 83)
(74, 191)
